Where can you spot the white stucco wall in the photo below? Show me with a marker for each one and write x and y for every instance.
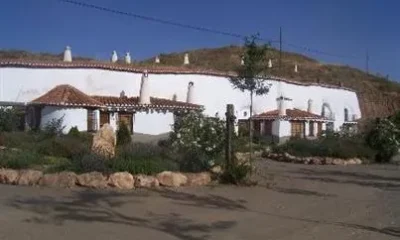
(152, 123)
(71, 117)
(25, 84)
(114, 120)
(281, 128)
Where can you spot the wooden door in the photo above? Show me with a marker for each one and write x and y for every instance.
(104, 118)
(127, 119)
(311, 129)
(297, 129)
(319, 128)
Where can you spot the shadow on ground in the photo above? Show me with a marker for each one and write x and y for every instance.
(391, 231)
(301, 192)
(93, 206)
(346, 177)
(105, 206)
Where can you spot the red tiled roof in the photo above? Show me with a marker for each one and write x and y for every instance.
(291, 114)
(66, 95)
(133, 102)
(154, 69)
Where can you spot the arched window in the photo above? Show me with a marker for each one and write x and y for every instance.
(346, 115)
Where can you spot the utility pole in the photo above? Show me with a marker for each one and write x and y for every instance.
(367, 62)
(280, 49)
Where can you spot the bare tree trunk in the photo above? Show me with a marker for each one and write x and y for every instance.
(251, 126)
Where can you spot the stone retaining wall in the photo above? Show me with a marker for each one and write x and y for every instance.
(286, 157)
(119, 180)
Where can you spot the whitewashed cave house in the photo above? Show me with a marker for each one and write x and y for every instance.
(91, 112)
(286, 121)
(25, 82)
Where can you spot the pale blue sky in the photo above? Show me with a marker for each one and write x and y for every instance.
(341, 27)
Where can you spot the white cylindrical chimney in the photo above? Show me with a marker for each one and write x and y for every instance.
(281, 106)
(68, 54)
(269, 63)
(157, 60)
(295, 68)
(186, 59)
(144, 97)
(114, 57)
(189, 95)
(310, 106)
(128, 59)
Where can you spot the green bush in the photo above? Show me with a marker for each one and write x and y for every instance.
(21, 140)
(141, 158)
(241, 144)
(193, 161)
(64, 146)
(9, 119)
(74, 132)
(329, 146)
(236, 174)
(89, 162)
(384, 137)
(17, 159)
(54, 128)
(197, 140)
(123, 135)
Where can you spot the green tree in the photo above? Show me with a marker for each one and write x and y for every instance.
(251, 75)
(123, 134)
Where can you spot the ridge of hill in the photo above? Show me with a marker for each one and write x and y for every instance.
(378, 97)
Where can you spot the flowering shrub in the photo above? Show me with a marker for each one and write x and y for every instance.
(198, 137)
(385, 138)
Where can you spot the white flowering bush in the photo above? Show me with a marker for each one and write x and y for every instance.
(199, 138)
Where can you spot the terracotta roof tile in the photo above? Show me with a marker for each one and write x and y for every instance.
(66, 95)
(133, 102)
(291, 114)
(154, 69)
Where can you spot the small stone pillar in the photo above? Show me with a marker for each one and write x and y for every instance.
(296, 70)
(269, 63)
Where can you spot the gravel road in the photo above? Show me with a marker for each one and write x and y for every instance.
(306, 202)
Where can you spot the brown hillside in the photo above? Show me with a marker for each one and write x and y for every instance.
(377, 96)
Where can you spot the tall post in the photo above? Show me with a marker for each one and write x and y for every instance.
(280, 48)
(251, 125)
(230, 122)
(367, 62)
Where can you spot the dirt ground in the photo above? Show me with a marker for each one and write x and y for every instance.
(306, 202)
